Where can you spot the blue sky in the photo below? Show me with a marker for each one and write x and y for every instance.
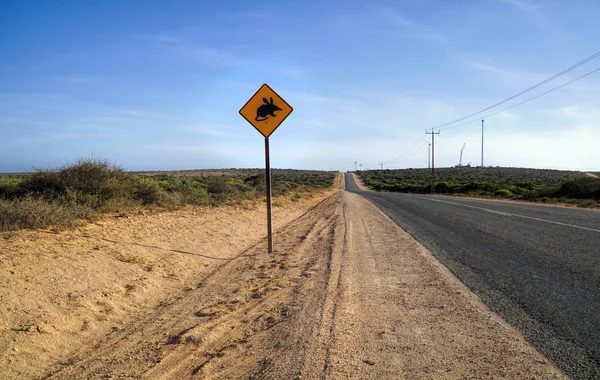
(154, 85)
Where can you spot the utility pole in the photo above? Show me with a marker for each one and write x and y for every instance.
(432, 133)
(355, 165)
(481, 142)
(429, 157)
(381, 165)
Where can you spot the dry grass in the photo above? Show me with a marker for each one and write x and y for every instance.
(89, 187)
(37, 213)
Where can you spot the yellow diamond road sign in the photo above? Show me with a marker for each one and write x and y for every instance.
(266, 110)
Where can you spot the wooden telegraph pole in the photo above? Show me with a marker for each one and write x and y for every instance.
(432, 133)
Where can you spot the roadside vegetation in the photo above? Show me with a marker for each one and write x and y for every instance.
(549, 186)
(88, 188)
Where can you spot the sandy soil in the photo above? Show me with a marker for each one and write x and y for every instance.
(591, 175)
(360, 183)
(61, 291)
(346, 294)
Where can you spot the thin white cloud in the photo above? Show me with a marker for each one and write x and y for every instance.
(531, 8)
(580, 113)
(382, 130)
(207, 55)
(11, 122)
(527, 6)
(364, 110)
(512, 74)
(412, 28)
(210, 131)
(139, 113)
(176, 43)
(566, 148)
(521, 79)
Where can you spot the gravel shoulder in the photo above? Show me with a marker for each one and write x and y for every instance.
(346, 294)
(360, 183)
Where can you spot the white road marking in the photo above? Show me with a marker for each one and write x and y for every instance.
(516, 215)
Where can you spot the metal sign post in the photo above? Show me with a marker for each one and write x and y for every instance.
(268, 175)
(266, 110)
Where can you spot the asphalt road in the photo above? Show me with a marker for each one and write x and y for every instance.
(536, 266)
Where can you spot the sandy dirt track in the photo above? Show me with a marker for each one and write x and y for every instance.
(347, 294)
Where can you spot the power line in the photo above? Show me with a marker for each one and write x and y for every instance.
(592, 57)
(411, 146)
(409, 152)
(414, 147)
(525, 101)
(428, 154)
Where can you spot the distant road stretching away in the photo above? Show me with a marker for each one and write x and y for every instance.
(536, 266)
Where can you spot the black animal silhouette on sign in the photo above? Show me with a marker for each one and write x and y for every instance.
(265, 110)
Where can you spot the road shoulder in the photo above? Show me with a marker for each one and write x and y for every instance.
(402, 314)
(359, 183)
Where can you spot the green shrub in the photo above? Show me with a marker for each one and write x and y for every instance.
(95, 176)
(182, 191)
(445, 188)
(74, 197)
(148, 192)
(217, 185)
(580, 188)
(517, 190)
(232, 181)
(505, 193)
(43, 183)
(10, 187)
(87, 182)
(90, 186)
(527, 184)
(257, 180)
(531, 186)
(480, 185)
(587, 203)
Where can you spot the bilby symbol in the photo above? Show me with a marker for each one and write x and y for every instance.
(266, 110)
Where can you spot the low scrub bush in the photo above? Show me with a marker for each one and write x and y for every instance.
(580, 188)
(93, 176)
(504, 193)
(9, 187)
(445, 188)
(42, 183)
(480, 185)
(148, 192)
(515, 183)
(38, 213)
(91, 186)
